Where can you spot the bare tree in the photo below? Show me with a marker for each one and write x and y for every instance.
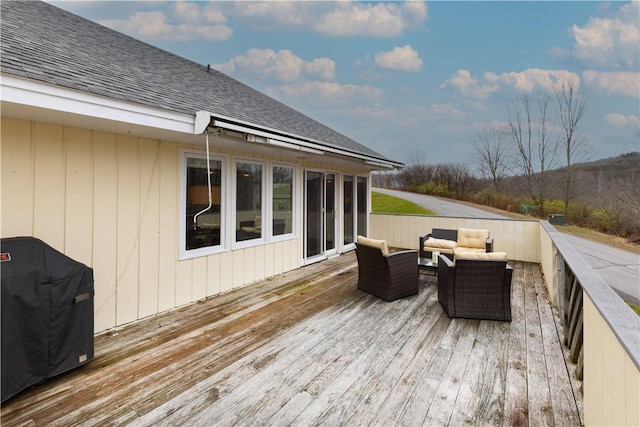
(530, 130)
(571, 109)
(626, 187)
(416, 172)
(492, 155)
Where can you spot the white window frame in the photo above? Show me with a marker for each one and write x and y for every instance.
(353, 216)
(263, 205)
(367, 208)
(294, 202)
(183, 253)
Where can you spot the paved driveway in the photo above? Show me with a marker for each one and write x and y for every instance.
(620, 269)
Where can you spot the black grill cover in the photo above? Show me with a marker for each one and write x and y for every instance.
(47, 313)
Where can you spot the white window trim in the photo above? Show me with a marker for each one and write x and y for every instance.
(367, 209)
(266, 218)
(183, 253)
(352, 245)
(294, 202)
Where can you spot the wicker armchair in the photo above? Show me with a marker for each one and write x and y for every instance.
(475, 289)
(389, 276)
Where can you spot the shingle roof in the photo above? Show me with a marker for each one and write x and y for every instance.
(42, 42)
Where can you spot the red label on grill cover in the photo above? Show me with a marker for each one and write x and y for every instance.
(5, 256)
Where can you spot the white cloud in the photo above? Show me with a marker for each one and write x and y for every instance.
(327, 93)
(185, 21)
(372, 19)
(399, 59)
(619, 120)
(188, 12)
(610, 42)
(475, 105)
(281, 66)
(532, 79)
(478, 90)
(273, 15)
(372, 112)
(188, 21)
(333, 18)
(446, 110)
(614, 83)
(463, 82)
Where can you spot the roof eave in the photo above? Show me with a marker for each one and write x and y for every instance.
(56, 102)
(264, 135)
(34, 100)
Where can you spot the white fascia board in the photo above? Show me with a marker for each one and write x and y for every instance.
(36, 94)
(273, 137)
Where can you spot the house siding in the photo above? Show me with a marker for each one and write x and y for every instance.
(112, 202)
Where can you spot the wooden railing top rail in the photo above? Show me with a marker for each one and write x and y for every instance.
(624, 323)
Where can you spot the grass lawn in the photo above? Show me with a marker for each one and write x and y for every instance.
(381, 203)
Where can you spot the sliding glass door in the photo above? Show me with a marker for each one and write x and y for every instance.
(355, 205)
(320, 215)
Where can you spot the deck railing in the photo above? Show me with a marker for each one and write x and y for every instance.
(570, 310)
(601, 332)
(603, 335)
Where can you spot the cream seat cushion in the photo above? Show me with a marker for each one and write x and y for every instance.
(480, 255)
(439, 243)
(463, 251)
(381, 244)
(472, 238)
(443, 246)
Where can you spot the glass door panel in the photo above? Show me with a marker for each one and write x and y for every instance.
(330, 212)
(361, 205)
(347, 213)
(313, 213)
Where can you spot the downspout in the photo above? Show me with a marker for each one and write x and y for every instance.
(195, 217)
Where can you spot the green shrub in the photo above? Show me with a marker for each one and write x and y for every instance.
(553, 207)
(433, 189)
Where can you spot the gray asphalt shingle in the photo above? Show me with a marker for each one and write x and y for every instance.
(48, 44)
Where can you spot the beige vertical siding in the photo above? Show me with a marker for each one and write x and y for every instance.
(168, 208)
(17, 177)
(49, 189)
(78, 208)
(105, 204)
(112, 202)
(128, 226)
(611, 379)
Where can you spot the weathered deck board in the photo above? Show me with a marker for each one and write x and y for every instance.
(515, 395)
(562, 392)
(538, 381)
(307, 348)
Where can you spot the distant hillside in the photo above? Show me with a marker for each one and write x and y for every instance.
(592, 178)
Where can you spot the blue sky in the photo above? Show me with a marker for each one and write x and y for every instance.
(409, 77)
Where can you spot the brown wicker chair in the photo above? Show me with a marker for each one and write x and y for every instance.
(475, 289)
(388, 276)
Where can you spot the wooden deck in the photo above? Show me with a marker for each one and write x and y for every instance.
(307, 348)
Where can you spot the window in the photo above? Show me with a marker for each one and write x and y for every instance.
(201, 209)
(349, 220)
(249, 201)
(355, 205)
(282, 200)
(361, 205)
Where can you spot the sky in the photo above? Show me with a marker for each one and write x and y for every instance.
(410, 79)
